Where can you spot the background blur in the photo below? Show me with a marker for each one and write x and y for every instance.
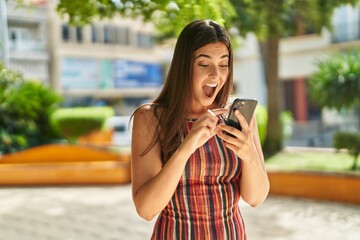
(112, 66)
(118, 63)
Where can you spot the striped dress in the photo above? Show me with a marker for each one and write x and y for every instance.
(205, 203)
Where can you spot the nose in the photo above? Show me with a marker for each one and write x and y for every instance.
(214, 72)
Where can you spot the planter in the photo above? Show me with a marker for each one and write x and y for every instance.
(317, 185)
(58, 164)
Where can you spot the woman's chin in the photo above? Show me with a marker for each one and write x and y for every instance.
(208, 100)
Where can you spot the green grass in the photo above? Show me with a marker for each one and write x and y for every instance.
(311, 161)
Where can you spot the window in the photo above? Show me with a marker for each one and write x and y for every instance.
(144, 40)
(19, 34)
(20, 38)
(123, 36)
(107, 34)
(65, 33)
(110, 34)
(346, 22)
(93, 34)
(13, 36)
(79, 34)
(97, 34)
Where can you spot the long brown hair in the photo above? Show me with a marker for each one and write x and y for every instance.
(172, 105)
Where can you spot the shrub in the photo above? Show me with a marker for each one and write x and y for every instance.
(25, 110)
(286, 121)
(349, 141)
(261, 119)
(74, 122)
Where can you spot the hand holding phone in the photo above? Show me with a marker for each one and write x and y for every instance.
(246, 108)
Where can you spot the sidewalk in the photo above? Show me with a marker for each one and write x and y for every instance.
(107, 213)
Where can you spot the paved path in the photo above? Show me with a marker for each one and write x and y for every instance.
(107, 213)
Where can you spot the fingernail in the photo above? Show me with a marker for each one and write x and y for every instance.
(211, 112)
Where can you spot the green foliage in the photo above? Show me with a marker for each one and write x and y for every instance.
(269, 20)
(265, 18)
(310, 160)
(283, 18)
(350, 141)
(170, 17)
(261, 119)
(181, 13)
(286, 121)
(25, 110)
(336, 82)
(74, 122)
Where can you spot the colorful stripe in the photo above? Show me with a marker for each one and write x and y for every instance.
(205, 204)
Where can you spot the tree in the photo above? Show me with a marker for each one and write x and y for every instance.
(349, 141)
(336, 82)
(168, 16)
(25, 110)
(268, 19)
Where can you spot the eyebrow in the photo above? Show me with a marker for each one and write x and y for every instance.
(207, 56)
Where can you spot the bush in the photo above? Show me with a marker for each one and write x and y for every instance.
(350, 141)
(261, 119)
(25, 110)
(74, 122)
(286, 121)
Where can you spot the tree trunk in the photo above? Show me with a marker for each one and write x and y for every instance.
(357, 112)
(270, 52)
(354, 166)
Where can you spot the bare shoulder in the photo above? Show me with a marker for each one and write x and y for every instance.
(146, 115)
(145, 124)
(145, 150)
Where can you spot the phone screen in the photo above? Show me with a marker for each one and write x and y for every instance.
(246, 108)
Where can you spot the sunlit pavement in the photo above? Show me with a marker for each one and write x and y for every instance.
(107, 212)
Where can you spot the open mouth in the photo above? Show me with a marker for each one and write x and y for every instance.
(209, 89)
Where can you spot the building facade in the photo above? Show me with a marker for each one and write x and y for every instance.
(107, 62)
(28, 49)
(297, 61)
(116, 62)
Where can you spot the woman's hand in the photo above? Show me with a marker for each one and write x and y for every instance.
(254, 184)
(204, 128)
(242, 142)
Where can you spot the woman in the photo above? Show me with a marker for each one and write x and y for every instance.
(184, 167)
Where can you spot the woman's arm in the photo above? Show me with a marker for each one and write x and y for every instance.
(152, 184)
(254, 184)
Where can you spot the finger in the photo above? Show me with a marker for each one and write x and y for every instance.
(227, 138)
(211, 112)
(236, 133)
(209, 122)
(219, 111)
(242, 120)
(214, 115)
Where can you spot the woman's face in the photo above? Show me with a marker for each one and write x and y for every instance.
(210, 71)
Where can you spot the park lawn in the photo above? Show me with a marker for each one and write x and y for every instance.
(327, 161)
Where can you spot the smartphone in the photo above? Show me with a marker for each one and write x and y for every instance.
(246, 108)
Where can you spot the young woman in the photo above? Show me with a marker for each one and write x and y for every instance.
(185, 169)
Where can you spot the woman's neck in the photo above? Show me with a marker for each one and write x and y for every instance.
(196, 111)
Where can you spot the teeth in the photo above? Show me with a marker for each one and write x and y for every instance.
(211, 85)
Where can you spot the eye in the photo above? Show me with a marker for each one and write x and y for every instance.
(203, 65)
(224, 65)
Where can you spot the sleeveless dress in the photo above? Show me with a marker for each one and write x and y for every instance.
(205, 204)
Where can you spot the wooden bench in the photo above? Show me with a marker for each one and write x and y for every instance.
(59, 164)
(338, 187)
